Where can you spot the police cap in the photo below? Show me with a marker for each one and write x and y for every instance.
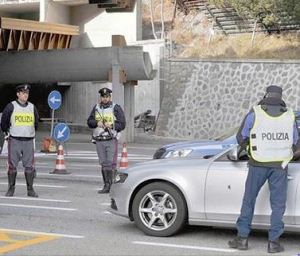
(105, 91)
(23, 87)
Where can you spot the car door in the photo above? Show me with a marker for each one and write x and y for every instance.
(224, 189)
(224, 192)
(294, 189)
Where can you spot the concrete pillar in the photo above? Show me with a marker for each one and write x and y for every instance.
(54, 12)
(119, 95)
(123, 94)
(117, 87)
(129, 111)
(43, 9)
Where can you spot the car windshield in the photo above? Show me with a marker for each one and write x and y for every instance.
(227, 134)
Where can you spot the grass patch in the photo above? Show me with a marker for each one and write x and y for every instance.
(190, 36)
(284, 46)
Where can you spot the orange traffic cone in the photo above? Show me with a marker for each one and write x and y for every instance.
(60, 167)
(124, 158)
(49, 145)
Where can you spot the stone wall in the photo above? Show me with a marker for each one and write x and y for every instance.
(203, 98)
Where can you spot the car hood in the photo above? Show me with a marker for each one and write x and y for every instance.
(167, 164)
(201, 144)
(191, 143)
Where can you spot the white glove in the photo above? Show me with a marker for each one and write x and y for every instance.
(6, 136)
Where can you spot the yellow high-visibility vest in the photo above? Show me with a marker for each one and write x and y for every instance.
(271, 138)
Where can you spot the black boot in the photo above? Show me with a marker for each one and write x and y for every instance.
(110, 178)
(11, 183)
(29, 181)
(240, 243)
(275, 246)
(114, 172)
(106, 187)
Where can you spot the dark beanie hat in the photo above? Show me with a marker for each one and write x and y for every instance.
(274, 89)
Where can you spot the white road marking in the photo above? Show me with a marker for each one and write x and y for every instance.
(142, 147)
(35, 199)
(106, 212)
(78, 166)
(39, 207)
(132, 158)
(89, 157)
(39, 233)
(186, 247)
(71, 175)
(88, 153)
(37, 185)
(81, 157)
(105, 204)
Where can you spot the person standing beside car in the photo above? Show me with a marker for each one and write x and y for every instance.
(19, 121)
(107, 120)
(270, 134)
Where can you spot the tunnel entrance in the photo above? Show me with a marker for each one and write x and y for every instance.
(38, 96)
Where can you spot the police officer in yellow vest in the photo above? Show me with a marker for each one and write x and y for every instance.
(19, 121)
(107, 120)
(270, 134)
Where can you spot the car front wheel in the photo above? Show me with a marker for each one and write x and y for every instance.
(159, 209)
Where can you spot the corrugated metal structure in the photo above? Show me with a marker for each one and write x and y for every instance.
(17, 34)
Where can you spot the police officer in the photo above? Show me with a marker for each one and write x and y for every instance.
(19, 121)
(270, 134)
(107, 120)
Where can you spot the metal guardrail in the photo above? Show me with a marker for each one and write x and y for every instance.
(215, 20)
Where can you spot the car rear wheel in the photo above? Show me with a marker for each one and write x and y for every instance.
(159, 209)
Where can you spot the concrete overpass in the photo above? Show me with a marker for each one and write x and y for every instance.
(73, 65)
(95, 64)
(39, 52)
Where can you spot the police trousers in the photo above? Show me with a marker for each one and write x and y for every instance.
(277, 179)
(107, 151)
(20, 150)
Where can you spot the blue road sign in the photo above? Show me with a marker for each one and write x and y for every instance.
(61, 132)
(54, 99)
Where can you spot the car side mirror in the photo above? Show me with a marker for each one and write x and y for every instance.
(233, 154)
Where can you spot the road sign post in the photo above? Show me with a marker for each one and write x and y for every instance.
(54, 102)
(61, 132)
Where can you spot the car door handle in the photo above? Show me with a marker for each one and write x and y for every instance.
(289, 177)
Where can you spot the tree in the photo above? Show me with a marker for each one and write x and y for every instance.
(152, 19)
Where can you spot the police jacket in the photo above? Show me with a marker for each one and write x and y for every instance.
(119, 122)
(6, 119)
(274, 108)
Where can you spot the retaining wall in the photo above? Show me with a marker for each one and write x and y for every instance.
(203, 98)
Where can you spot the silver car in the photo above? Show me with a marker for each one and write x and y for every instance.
(197, 148)
(162, 196)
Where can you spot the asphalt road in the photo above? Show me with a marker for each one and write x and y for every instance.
(70, 218)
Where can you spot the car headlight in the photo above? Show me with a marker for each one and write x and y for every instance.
(120, 177)
(178, 153)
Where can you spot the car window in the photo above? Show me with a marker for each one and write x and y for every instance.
(223, 158)
(242, 156)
